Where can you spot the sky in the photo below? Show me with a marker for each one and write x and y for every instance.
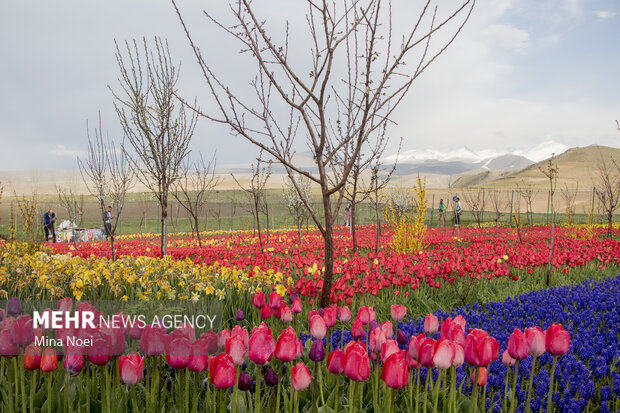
(521, 72)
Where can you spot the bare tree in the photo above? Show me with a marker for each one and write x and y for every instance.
(295, 203)
(108, 176)
(358, 74)
(157, 129)
(256, 191)
(569, 195)
(608, 190)
(68, 200)
(474, 199)
(551, 171)
(500, 204)
(192, 189)
(527, 191)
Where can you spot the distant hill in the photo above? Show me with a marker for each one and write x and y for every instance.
(577, 167)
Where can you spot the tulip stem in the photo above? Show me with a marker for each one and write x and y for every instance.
(9, 375)
(473, 407)
(195, 393)
(186, 396)
(66, 403)
(352, 401)
(337, 388)
(134, 402)
(484, 398)
(436, 390)
(318, 368)
(453, 399)
(513, 404)
(549, 400)
(361, 393)
(257, 393)
(429, 373)
(49, 393)
(296, 397)
(529, 386)
(506, 388)
(375, 393)
(417, 390)
(33, 386)
(21, 377)
(410, 390)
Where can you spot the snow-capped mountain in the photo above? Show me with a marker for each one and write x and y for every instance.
(461, 159)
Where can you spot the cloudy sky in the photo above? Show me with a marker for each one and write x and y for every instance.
(522, 72)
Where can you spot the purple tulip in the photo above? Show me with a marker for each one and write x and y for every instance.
(14, 306)
(245, 381)
(240, 315)
(317, 351)
(402, 338)
(271, 377)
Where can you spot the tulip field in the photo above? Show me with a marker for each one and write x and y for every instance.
(466, 324)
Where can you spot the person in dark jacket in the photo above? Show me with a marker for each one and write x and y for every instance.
(48, 225)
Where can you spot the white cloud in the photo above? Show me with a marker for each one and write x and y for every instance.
(62, 150)
(604, 14)
(573, 7)
(552, 39)
(507, 37)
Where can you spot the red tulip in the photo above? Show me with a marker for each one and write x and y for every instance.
(222, 371)
(235, 348)
(335, 361)
(32, 357)
(258, 300)
(427, 352)
(99, 353)
(507, 360)
(199, 357)
(131, 368)
(49, 360)
(275, 300)
(431, 324)
(356, 362)
(296, 307)
(300, 377)
(357, 330)
(517, 345)
(388, 348)
(329, 315)
(365, 315)
(210, 339)
(443, 356)
(480, 349)
(395, 371)
(286, 345)
(535, 341)
(557, 340)
(261, 345)
(318, 328)
(414, 345)
(398, 312)
(265, 313)
(483, 376)
(178, 352)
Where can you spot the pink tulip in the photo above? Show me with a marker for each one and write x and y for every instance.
(357, 330)
(286, 345)
(344, 315)
(235, 348)
(431, 324)
(241, 332)
(99, 353)
(296, 307)
(329, 315)
(318, 328)
(153, 341)
(427, 352)
(261, 345)
(507, 360)
(444, 354)
(66, 304)
(483, 376)
(178, 352)
(300, 377)
(459, 355)
(375, 339)
(265, 313)
(222, 336)
(535, 337)
(414, 345)
(287, 315)
(131, 368)
(275, 300)
(258, 300)
(388, 348)
(398, 312)
(388, 329)
(7, 347)
(356, 362)
(199, 357)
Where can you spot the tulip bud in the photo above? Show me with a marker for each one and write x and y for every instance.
(402, 338)
(258, 300)
(32, 357)
(318, 328)
(431, 324)
(483, 376)
(335, 361)
(296, 306)
(14, 306)
(271, 377)
(317, 351)
(49, 360)
(507, 360)
(300, 377)
(398, 312)
(245, 381)
(344, 315)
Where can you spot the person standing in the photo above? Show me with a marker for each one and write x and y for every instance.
(457, 212)
(48, 225)
(107, 219)
(442, 213)
(347, 216)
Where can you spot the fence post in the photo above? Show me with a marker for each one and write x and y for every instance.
(432, 209)
(512, 198)
(548, 201)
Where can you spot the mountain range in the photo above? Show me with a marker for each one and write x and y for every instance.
(462, 159)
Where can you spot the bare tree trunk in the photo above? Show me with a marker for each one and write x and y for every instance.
(197, 231)
(353, 230)
(164, 225)
(328, 236)
(551, 243)
(378, 221)
(260, 237)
